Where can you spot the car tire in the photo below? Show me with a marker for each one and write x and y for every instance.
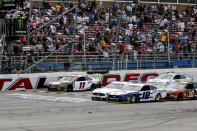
(51, 89)
(93, 86)
(158, 98)
(180, 97)
(92, 99)
(133, 99)
(69, 88)
(48, 88)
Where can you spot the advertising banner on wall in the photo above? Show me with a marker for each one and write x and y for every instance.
(21, 83)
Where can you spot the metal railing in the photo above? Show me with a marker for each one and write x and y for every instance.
(2, 27)
(184, 2)
(97, 57)
(119, 61)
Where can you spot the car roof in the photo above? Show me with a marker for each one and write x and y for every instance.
(78, 75)
(129, 83)
(169, 73)
(120, 82)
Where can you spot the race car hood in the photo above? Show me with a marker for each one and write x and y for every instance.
(121, 92)
(104, 90)
(170, 90)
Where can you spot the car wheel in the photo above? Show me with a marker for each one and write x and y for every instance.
(93, 86)
(70, 88)
(180, 97)
(48, 89)
(92, 98)
(51, 89)
(158, 98)
(133, 99)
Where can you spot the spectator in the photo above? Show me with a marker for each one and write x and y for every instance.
(163, 38)
(138, 27)
(103, 44)
(161, 48)
(58, 8)
(121, 48)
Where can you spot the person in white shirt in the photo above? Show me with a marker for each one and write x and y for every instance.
(127, 32)
(130, 26)
(173, 18)
(166, 8)
(195, 10)
(8, 15)
(173, 7)
(53, 29)
(101, 4)
(182, 25)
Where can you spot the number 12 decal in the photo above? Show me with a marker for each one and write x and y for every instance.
(82, 85)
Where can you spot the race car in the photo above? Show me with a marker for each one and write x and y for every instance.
(181, 91)
(102, 93)
(167, 78)
(71, 83)
(137, 92)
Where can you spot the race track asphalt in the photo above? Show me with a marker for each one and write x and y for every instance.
(40, 111)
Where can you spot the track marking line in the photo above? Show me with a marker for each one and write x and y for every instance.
(49, 98)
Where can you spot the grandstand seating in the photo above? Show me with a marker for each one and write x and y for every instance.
(138, 38)
(41, 16)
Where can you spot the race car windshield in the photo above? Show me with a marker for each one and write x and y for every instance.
(68, 78)
(115, 86)
(132, 87)
(165, 76)
(175, 86)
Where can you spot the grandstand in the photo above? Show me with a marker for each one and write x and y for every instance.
(54, 35)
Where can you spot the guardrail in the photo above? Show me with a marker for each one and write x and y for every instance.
(96, 61)
(62, 57)
(181, 2)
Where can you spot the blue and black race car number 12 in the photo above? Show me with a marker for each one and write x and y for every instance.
(144, 95)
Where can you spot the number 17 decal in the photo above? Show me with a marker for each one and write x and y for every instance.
(82, 85)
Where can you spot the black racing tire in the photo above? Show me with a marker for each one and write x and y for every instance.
(133, 99)
(51, 89)
(158, 97)
(93, 87)
(180, 97)
(69, 88)
(48, 88)
(92, 99)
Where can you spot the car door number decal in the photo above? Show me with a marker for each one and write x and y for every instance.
(82, 85)
(189, 93)
(144, 95)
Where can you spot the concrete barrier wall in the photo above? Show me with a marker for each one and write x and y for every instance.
(53, 76)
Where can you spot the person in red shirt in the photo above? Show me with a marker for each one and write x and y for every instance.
(121, 48)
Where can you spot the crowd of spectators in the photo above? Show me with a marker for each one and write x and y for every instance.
(127, 28)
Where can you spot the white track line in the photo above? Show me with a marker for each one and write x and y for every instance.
(49, 98)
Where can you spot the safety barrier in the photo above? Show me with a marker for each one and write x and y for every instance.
(193, 2)
(58, 62)
(124, 65)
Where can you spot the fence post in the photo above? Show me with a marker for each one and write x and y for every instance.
(154, 63)
(114, 65)
(137, 64)
(194, 51)
(126, 62)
